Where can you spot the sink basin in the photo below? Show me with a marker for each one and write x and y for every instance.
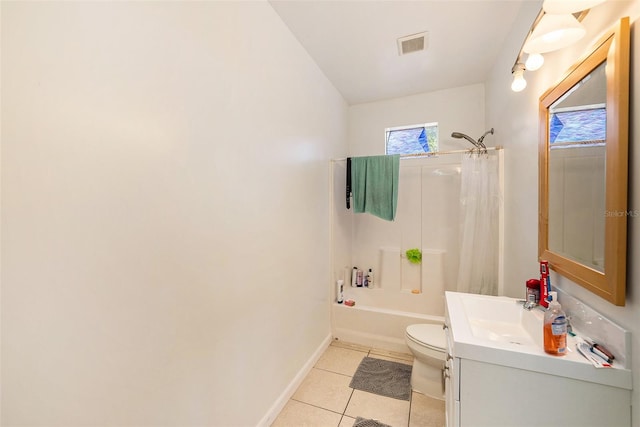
(500, 331)
(502, 320)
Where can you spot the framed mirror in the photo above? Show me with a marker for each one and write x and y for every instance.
(583, 131)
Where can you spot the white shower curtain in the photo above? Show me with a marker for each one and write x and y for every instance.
(480, 200)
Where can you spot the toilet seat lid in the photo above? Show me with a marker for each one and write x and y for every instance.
(430, 335)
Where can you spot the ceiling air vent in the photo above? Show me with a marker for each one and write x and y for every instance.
(413, 43)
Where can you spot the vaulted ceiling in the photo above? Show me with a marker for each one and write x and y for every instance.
(354, 42)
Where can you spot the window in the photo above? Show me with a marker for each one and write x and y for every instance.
(412, 139)
(573, 126)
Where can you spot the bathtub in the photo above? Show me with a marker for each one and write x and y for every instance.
(379, 318)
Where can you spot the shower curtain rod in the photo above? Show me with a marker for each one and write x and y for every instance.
(437, 153)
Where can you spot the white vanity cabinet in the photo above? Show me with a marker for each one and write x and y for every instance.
(451, 384)
(493, 383)
(484, 394)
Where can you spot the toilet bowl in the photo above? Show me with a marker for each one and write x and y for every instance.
(428, 344)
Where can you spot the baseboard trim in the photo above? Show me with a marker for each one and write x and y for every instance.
(282, 400)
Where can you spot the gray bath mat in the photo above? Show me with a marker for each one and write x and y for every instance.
(391, 379)
(362, 422)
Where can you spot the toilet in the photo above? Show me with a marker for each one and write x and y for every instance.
(428, 343)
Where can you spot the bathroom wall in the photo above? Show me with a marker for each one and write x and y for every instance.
(165, 228)
(517, 114)
(455, 110)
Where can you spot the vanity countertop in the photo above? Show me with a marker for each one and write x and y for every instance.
(498, 330)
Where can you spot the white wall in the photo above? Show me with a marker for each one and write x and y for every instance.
(165, 228)
(518, 117)
(456, 110)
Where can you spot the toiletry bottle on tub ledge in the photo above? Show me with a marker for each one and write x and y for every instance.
(340, 291)
(359, 279)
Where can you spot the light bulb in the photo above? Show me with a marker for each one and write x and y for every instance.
(519, 83)
(534, 61)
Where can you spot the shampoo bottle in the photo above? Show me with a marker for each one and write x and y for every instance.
(359, 278)
(354, 276)
(555, 327)
(340, 291)
(370, 279)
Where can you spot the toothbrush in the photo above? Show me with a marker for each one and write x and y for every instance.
(595, 350)
(583, 349)
(606, 353)
(548, 283)
(599, 350)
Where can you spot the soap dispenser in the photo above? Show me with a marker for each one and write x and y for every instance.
(555, 327)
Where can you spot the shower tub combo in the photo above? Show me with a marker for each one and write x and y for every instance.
(428, 219)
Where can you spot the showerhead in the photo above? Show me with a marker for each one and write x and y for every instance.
(467, 137)
(490, 131)
(478, 144)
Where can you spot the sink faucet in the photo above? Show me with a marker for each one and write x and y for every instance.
(527, 305)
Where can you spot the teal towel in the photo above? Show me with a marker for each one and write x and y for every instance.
(374, 183)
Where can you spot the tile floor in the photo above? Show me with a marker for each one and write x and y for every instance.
(324, 399)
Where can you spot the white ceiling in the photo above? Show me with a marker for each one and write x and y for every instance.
(354, 42)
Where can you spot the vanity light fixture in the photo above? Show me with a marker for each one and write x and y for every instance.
(517, 71)
(560, 7)
(554, 32)
(557, 25)
(519, 83)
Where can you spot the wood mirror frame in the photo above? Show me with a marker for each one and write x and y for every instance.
(610, 283)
